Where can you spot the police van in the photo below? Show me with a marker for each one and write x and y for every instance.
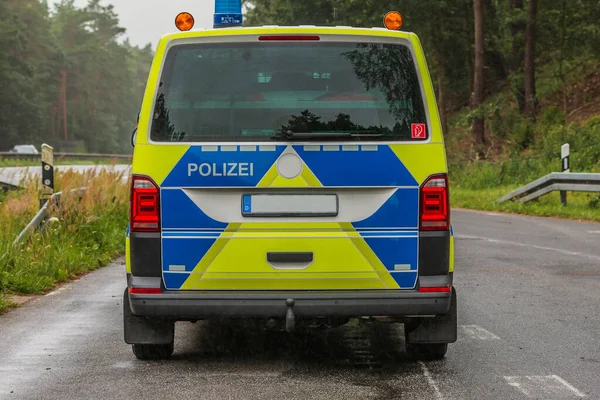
(295, 175)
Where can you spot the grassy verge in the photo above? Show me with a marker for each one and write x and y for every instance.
(580, 206)
(59, 161)
(89, 233)
(478, 184)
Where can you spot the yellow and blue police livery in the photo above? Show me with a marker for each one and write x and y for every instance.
(189, 233)
(289, 174)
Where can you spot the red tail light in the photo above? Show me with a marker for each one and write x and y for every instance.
(440, 289)
(288, 37)
(435, 204)
(145, 207)
(145, 290)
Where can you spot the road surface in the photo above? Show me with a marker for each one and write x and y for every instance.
(529, 301)
(14, 176)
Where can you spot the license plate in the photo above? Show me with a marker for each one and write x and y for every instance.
(289, 205)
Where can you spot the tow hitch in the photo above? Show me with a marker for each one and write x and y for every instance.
(290, 318)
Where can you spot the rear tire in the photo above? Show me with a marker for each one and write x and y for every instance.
(429, 351)
(153, 351)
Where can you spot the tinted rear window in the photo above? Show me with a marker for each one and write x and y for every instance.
(254, 91)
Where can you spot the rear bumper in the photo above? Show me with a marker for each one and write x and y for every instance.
(203, 305)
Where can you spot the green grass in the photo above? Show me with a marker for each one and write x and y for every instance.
(580, 206)
(89, 233)
(478, 184)
(35, 163)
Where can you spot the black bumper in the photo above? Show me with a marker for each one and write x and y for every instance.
(202, 305)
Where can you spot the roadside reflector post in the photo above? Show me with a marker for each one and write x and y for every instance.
(47, 173)
(565, 167)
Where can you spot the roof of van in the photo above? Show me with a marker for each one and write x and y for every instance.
(301, 29)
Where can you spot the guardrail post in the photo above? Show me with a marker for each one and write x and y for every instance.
(565, 167)
(47, 173)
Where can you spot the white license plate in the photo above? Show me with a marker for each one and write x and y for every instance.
(285, 205)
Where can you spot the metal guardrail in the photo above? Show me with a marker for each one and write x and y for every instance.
(42, 214)
(556, 181)
(72, 156)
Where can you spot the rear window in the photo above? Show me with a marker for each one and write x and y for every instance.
(256, 91)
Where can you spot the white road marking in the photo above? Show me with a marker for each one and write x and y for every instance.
(427, 374)
(477, 332)
(548, 386)
(124, 365)
(593, 232)
(567, 252)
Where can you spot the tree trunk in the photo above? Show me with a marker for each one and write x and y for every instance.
(441, 84)
(441, 78)
(562, 57)
(518, 53)
(478, 85)
(530, 101)
(470, 54)
(64, 103)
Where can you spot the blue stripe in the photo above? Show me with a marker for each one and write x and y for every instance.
(216, 230)
(399, 234)
(357, 168)
(179, 211)
(184, 252)
(222, 168)
(394, 251)
(401, 209)
(174, 281)
(406, 280)
(210, 235)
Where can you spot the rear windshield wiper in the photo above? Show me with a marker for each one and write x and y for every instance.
(290, 135)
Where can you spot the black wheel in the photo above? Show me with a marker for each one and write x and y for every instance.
(152, 351)
(429, 351)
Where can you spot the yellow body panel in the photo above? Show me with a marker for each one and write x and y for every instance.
(298, 181)
(241, 263)
(127, 256)
(295, 283)
(422, 161)
(157, 161)
(451, 254)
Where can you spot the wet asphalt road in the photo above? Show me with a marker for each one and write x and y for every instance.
(529, 303)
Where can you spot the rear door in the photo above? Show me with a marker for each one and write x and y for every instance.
(297, 171)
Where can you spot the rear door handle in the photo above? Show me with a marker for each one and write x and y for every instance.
(290, 260)
(285, 257)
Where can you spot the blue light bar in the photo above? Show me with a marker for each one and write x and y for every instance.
(228, 13)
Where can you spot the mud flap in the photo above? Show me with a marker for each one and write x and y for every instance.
(440, 329)
(141, 330)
